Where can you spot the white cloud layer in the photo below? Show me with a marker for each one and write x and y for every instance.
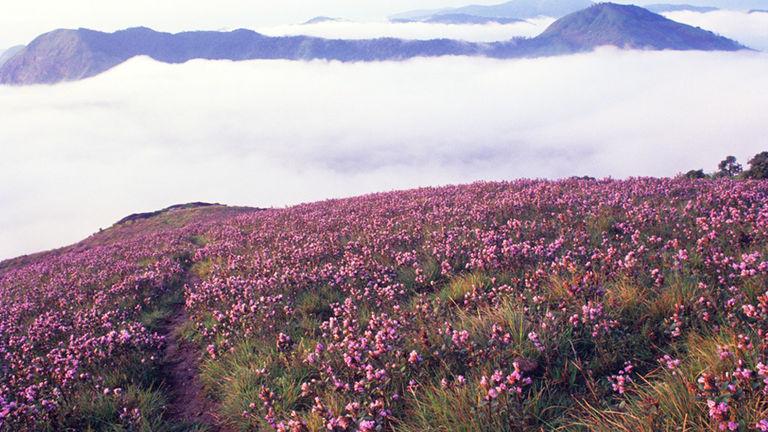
(751, 29)
(421, 31)
(78, 156)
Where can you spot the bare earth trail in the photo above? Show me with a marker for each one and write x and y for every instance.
(187, 403)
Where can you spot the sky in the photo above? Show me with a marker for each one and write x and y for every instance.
(367, 30)
(79, 156)
(22, 21)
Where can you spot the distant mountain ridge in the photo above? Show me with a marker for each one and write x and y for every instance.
(667, 7)
(66, 55)
(460, 18)
(743, 5)
(322, 19)
(518, 9)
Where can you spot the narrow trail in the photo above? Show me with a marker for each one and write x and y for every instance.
(187, 403)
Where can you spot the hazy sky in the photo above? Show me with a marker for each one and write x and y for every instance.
(79, 156)
(367, 30)
(21, 21)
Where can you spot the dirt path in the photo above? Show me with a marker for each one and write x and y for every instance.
(181, 360)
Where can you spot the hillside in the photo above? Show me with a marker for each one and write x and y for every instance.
(5, 55)
(134, 226)
(628, 27)
(67, 55)
(531, 305)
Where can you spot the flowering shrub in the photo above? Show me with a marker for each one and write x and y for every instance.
(492, 306)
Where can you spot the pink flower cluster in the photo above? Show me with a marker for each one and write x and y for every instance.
(500, 383)
(381, 297)
(69, 316)
(622, 379)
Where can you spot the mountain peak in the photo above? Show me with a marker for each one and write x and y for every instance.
(321, 20)
(54, 56)
(629, 26)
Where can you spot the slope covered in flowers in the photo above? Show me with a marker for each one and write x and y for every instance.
(75, 324)
(532, 305)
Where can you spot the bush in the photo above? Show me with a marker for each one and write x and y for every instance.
(695, 174)
(729, 168)
(758, 167)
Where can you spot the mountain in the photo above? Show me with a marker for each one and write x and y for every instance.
(468, 19)
(520, 9)
(665, 7)
(321, 19)
(743, 5)
(626, 26)
(10, 52)
(65, 55)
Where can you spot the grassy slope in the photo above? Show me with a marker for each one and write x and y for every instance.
(571, 388)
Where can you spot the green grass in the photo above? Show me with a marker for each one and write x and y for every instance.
(570, 391)
(188, 332)
(236, 378)
(89, 409)
(203, 269)
(154, 318)
(463, 409)
(198, 240)
(663, 401)
(454, 291)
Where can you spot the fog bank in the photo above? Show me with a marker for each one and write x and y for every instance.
(145, 135)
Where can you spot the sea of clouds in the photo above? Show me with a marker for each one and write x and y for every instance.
(78, 156)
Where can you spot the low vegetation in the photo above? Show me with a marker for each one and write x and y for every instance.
(575, 305)
(732, 169)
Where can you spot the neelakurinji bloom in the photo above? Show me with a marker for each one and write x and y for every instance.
(363, 307)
